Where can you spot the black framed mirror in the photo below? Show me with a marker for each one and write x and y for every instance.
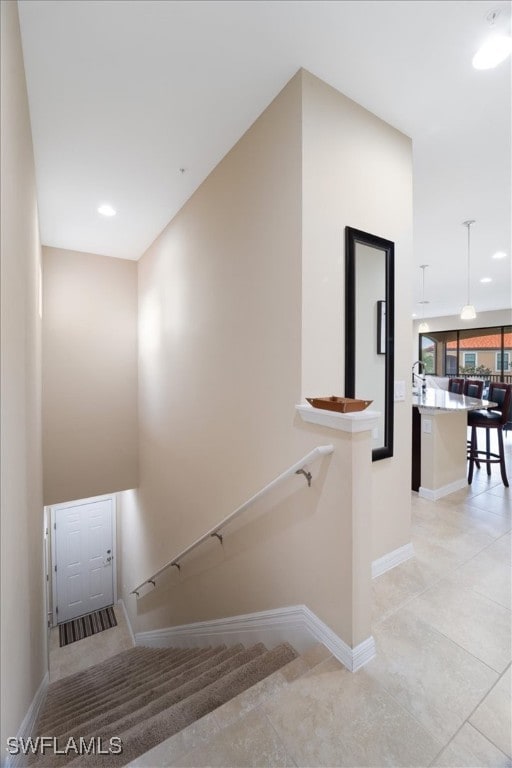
(369, 329)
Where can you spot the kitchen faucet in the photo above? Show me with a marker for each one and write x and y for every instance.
(421, 377)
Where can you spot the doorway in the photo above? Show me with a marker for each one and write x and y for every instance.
(83, 542)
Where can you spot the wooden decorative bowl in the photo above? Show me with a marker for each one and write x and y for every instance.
(340, 404)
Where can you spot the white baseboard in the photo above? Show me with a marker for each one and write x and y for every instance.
(445, 490)
(120, 602)
(26, 729)
(294, 624)
(392, 559)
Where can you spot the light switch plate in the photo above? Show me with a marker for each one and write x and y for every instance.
(399, 391)
(427, 426)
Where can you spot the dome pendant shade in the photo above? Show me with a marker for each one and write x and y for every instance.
(468, 312)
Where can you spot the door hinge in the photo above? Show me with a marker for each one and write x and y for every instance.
(46, 534)
(55, 526)
(55, 568)
(47, 577)
(56, 609)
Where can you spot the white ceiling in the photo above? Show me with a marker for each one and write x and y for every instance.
(125, 93)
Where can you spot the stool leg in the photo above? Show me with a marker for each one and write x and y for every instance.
(488, 449)
(472, 454)
(502, 457)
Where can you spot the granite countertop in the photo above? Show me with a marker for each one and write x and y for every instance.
(435, 400)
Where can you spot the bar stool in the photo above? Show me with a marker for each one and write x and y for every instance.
(456, 386)
(474, 388)
(490, 419)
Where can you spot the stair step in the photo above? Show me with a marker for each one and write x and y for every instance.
(145, 695)
(130, 699)
(69, 688)
(145, 734)
(126, 687)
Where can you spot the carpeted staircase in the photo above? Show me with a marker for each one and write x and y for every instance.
(145, 695)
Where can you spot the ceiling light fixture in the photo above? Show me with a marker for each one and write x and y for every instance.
(494, 49)
(468, 311)
(499, 255)
(106, 210)
(486, 279)
(423, 326)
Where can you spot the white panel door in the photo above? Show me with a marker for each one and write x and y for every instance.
(83, 557)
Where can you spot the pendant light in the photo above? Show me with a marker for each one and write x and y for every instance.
(423, 326)
(468, 311)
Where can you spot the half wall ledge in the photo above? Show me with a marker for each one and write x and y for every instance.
(360, 421)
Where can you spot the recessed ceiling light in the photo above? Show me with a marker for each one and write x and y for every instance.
(106, 210)
(414, 314)
(495, 48)
(492, 52)
(499, 255)
(486, 279)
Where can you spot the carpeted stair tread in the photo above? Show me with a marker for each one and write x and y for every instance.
(148, 697)
(153, 730)
(69, 689)
(117, 690)
(95, 715)
(156, 703)
(121, 681)
(99, 685)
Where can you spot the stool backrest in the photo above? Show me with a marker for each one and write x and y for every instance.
(473, 388)
(456, 386)
(502, 394)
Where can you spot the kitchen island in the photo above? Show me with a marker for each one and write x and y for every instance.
(439, 441)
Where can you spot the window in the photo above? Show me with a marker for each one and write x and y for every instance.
(506, 361)
(428, 354)
(469, 359)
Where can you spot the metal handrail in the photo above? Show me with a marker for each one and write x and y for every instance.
(296, 469)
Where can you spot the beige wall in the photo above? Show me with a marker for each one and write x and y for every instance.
(221, 318)
(90, 441)
(357, 172)
(23, 625)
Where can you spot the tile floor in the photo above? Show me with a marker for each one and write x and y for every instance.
(437, 694)
(91, 650)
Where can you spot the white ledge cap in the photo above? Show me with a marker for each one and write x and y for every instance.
(358, 421)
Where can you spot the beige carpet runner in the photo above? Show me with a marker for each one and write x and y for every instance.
(119, 709)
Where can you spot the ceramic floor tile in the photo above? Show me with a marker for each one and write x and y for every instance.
(498, 505)
(294, 669)
(502, 490)
(325, 667)
(437, 681)
(470, 749)
(465, 494)
(458, 539)
(172, 749)
(249, 699)
(396, 587)
(493, 718)
(486, 574)
(502, 548)
(89, 651)
(477, 624)
(475, 515)
(250, 741)
(343, 719)
(316, 654)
